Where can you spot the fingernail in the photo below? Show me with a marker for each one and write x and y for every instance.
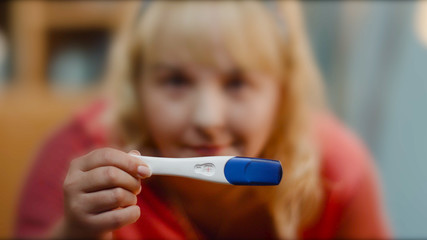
(144, 171)
(135, 153)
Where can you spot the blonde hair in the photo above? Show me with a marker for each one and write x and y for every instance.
(254, 38)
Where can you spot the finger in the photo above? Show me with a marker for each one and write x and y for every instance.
(111, 157)
(114, 219)
(101, 201)
(109, 177)
(135, 152)
(142, 170)
(139, 190)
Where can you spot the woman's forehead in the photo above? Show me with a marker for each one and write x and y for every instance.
(186, 39)
(219, 60)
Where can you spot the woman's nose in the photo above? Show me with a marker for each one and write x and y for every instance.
(209, 112)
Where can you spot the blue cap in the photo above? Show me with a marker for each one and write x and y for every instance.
(253, 171)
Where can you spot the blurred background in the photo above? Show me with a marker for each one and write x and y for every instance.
(373, 56)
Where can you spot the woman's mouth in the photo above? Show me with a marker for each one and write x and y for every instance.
(207, 150)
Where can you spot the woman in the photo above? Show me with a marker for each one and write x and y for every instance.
(206, 78)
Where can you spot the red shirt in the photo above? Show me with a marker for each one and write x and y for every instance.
(352, 207)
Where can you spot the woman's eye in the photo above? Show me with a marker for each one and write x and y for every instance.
(236, 82)
(176, 80)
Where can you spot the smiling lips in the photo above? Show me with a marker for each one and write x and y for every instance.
(207, 150)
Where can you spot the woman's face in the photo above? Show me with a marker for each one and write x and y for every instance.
(192, 110)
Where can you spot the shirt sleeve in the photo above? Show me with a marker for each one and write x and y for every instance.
(354, 204)
(364, 217)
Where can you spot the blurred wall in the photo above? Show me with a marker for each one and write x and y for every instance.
(375, 67)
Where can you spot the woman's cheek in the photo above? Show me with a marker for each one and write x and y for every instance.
(252, 122)
(166, 119)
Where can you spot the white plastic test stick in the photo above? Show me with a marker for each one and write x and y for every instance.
(223, 169)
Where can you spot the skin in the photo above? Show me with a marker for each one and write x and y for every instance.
(192, 110)
(100, 194)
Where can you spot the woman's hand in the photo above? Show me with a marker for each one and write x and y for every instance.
(100, 193)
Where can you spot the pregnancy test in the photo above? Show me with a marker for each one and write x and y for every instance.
(223, 169)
